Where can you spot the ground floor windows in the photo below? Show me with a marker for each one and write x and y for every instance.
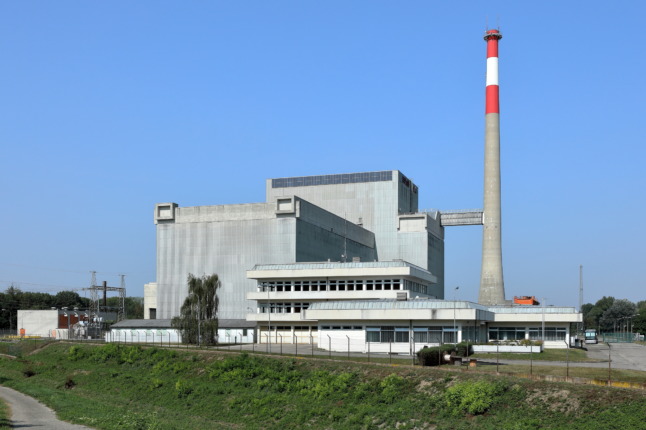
(551, 333)
(387, 334)
(447, 334)
(532, 333)
(506, 333)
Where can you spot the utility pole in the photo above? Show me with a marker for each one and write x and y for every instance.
(581, 294)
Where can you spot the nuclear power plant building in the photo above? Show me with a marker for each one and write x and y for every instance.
(333, 258)
(357, 217)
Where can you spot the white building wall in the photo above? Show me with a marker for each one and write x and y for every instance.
(38, 322)
(172, 336)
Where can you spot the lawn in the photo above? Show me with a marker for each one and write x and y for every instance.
(573, 355)
(130, 387)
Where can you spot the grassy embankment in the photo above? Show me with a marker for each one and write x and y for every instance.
(129, 387)
(4, 415)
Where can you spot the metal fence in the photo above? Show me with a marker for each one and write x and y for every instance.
(618, 337)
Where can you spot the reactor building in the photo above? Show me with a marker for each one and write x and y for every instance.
(337, 258)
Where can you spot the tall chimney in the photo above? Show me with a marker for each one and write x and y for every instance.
(492, 287)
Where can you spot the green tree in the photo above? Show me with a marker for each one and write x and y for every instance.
(134, 306)
(618, 314)
(198, 320)
(69, 299)
(605, 302)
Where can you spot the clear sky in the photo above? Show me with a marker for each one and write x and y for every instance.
(110, 107)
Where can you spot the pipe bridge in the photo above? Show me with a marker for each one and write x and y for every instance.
(461, 217)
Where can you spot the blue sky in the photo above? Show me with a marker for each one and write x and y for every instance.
(110, 107)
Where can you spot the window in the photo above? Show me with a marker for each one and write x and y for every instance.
(373, 334)
(152, 313)
(506, 333)
(401, 334)
(551, 333)
(386, 334)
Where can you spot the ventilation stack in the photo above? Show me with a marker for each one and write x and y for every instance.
(492, 287)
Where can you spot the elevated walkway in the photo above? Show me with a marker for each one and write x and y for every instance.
(461, 217)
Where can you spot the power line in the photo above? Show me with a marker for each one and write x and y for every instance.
(60, 270)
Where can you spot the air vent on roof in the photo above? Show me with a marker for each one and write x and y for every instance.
(401, 297)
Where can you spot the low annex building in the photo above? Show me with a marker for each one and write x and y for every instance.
(386, 306)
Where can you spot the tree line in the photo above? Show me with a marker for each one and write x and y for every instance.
(610, 315)
(14, 299)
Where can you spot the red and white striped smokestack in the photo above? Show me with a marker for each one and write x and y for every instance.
(492, 288)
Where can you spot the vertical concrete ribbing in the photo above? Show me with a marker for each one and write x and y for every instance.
(492, 288)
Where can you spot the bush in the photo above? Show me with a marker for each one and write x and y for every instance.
(464, 349)
(472, 397)
(432, 356)
(392, 387)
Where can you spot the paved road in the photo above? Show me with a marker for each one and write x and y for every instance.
(628, 356)
(27, 412)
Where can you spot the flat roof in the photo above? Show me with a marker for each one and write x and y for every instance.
(435, 304)
(339, 269)
(395, 304)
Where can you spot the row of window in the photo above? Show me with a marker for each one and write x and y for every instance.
(341, 327)
(343, 285)
(386, 334)
(282, 308)
(533, 333)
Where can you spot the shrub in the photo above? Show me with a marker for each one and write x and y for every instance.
(464, 349)
(392, 387)
(75, 353)
(182, 388)
(433, 356)
(472, 397)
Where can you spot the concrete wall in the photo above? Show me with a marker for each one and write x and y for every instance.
(229, 246)
(373, 205)
(150, 298)
(38, 322)
(229, 240)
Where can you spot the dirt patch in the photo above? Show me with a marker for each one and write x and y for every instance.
(555, 400)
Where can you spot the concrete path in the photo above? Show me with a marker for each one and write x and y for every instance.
(627, 356)
(27, 412)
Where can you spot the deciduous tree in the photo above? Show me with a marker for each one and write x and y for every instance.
(198, 319)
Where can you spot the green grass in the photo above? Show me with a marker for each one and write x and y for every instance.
(18, 348)
(4, 415)
(577, 372)
(129, 387)
(574, 355)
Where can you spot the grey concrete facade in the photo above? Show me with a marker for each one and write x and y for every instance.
(230, 239)
(385, 203)
(368, 216)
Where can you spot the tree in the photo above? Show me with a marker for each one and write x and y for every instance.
(617, 313)
(198, 320)
(70, 299)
